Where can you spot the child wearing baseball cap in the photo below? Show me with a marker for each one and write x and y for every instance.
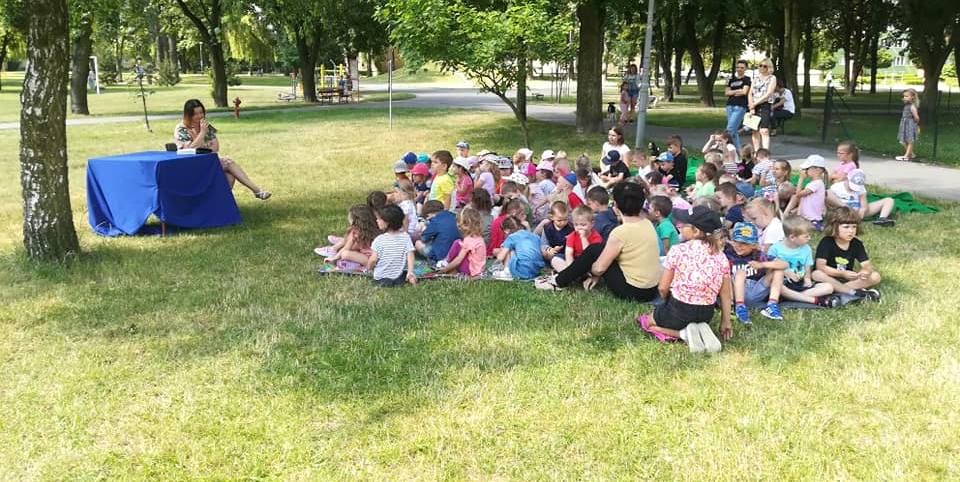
(695, 274)
(756, 277)
(811, 201)
(852, 192)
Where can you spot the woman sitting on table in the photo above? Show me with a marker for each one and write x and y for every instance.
(194, 132)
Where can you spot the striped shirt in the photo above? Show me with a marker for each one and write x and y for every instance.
(391, 252)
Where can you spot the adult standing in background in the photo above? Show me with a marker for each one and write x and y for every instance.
(738, 88)
(783, 106)
(759, 100)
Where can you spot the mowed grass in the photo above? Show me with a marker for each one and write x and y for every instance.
(221, 354)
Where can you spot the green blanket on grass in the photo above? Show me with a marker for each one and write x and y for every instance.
(903, 202)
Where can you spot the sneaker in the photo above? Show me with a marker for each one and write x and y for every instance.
(502, 275)
(334, 239)
(710, 341)
(547, 283)
(743, 316)
(441, 264)
(772, 311)
(869, 293)
(325, 251)
(885, 222)
(691, 335)
(831, 301)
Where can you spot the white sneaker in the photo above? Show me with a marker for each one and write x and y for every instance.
(710, 341)
(548, 283)
(691, 335)
(502, 275)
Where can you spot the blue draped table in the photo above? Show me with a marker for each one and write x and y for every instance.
(189, 191)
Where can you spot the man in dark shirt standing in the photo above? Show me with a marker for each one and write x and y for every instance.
(737, 88)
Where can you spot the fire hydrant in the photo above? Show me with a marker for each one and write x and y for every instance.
(236, 107)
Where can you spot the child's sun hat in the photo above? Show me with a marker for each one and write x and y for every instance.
(745, 232)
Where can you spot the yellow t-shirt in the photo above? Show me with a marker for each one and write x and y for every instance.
(442, 187)
(640, 256)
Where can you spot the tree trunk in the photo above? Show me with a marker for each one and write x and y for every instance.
(522, 91)
(174, 53)
(219, 74)
(119, 56)
(791, 44)
(82, 48)
(591, 14)
(931, 88)
(210, 33)
(307, 61)
(48, 233)
(4, 45)
(677, 69)
(874, 47)
(807, 60)
(705, 80)
(161, 48)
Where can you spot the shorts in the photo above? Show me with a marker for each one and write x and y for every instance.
(797, 286)
(676, 315)
(392, 282)
(756, 292)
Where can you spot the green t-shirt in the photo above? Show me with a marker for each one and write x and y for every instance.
(666, 230)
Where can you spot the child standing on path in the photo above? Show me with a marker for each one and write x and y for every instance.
(695, 274)
(909, 125)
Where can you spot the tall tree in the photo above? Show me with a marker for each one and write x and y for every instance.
(48, 232)
(933, 32)
(491, 44)
(207, 17)
(306, 24)
(591, 14)
(81, 43)
(12, 22)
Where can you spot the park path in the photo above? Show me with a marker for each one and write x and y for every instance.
(933, 181)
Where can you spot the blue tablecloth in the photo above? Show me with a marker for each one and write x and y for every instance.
(188, 191)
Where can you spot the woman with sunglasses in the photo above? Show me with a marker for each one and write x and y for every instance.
(759, 101)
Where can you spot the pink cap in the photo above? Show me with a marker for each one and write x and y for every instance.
(421, 169)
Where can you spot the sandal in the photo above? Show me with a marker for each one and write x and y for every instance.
(262, 195)
(643, 321)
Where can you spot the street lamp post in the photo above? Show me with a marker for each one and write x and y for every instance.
(201, 57)
(645, 80)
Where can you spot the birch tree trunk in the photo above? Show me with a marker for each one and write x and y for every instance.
(48, 233)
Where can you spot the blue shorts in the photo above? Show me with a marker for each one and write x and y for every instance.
(756, 292)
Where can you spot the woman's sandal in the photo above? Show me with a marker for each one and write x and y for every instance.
(644, 321)
(262, 195)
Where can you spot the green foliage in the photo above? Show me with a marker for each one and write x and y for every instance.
(168, 75)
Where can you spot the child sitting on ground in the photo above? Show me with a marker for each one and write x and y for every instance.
(763, 214)
(513, 209)
(798, 282)
(487, 177)
(756, 277)
(440, 233)
(811, 201)
(604, 219)
(617, 172)
(583, 235)
(540, 192)
(553, 232)
(746, 164)
(400, 172)
(679, 171)
(391, 257)
(355, 245)
(467, 256)
(664, 165)
(838, 252)
(732, 200)
(707, 175)
(660, 210)
(464, 184)
(520, 253)
(481, 202)
(403, 196)
(420, 173)
(761, 168)
(695, 274)
(852, 192)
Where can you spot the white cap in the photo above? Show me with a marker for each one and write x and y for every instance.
(527, 153)
(814, 160)
(547, 154)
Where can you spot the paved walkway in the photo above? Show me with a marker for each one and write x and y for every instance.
(927, 180)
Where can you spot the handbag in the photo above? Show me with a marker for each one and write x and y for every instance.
(751, 121)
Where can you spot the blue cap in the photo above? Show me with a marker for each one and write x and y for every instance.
(463, 144)
(571, 178)
(744, 232)
(423, 158)
(409, 158)
(746, 189)
(612, 157)
(665, 157)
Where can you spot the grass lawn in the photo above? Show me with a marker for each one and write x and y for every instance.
(221, 355)
(124, 100)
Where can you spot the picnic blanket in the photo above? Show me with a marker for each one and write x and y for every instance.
(425, 270)
(903, 202)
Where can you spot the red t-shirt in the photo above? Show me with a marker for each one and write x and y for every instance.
(574, 200)
(573, 241)
(496, 234)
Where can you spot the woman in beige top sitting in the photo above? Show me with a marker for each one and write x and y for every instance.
(194, 132)
(629, 262)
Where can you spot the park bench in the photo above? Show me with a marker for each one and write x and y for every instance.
(326, 94)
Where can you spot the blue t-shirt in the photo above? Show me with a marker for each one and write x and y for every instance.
(443, 231)
(797, 259)
(526, 260)
(734, 214)
(604, 222)
(739, 263)
(555, 237)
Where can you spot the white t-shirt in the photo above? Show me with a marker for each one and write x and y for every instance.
(607, 147)
(773, 233)
(788, 104)
(410, 211)
(849, 198)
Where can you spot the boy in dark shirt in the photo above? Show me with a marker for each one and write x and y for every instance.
(441, 231)
(553, 232)
(837, 253)
(755, 276)
(732, 201)
(604, 219)
(618, 169)
(675, 147)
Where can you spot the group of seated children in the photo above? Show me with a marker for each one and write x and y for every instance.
(743, 211)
